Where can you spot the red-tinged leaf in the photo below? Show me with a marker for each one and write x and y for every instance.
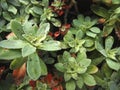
(101, 20)
(67, 26)
(2, 69)
(32, 83)
(65, 6)
(19, 73)
(58, 87)
(10, 35)
(56, 34)
(48, 78)
(60, 12)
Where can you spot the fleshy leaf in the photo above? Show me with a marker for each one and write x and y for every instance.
(12, 44)
(107, 29)
(70, 85)
(100, 11)
(92, 69)
(68, 37)
(17, 63)
(7, 16)
(115, 1)
(37, 10)
(100, 48)
(51, 46)
(81, 56)
(89, 80)
(88, 42)
(56, 22)
(106, 70)
(100, 82)
(46, 3)
(79, 34)
(29, 27)
(12, 9)
(117, 11)
(33, 66)
(60, 67)
(80, 82)
(43, 30)
(109, 42)
(43, 67)
(113, 65)
(8, 54)
(67, 76)
(91, 34)
(95, 29)
(27, 50)
(16, 27)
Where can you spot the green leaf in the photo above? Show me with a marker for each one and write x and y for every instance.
(43, 67)
(106, 70)
(68, 37)
(89, 80)
(30, 27)
(46, 3)
(60, 67)
(48, 60)
(113, 65)
(100, 48)
(117, 11)
(37, 10)
(81, 56)
(7, 16)
(27, 50)
(80, 82)
(43, 30)
(51, 46)
(79, 34)
(107, 29)
(70, 85)
(16, 27)
(92, 69)
(56, 22)
(25, 2)
(12, 44)
(115, 1)
(34, 1)
(109, 43)
(85, 62)
(8, 54)
(4, 4)
(91, 34)
(12, 9)
(16, 63)
(100, 11)
(14, 2)
(82, 59)
(66, 55)
(113, 85)
(89, 42)
(118, 51)
(95, 29)
(100, 81)
(33, 66)
(76, 23)
(82, 69)
(67, 76)
(98, 60)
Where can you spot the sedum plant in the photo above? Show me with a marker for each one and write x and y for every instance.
(59, 45)
(77, 70)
